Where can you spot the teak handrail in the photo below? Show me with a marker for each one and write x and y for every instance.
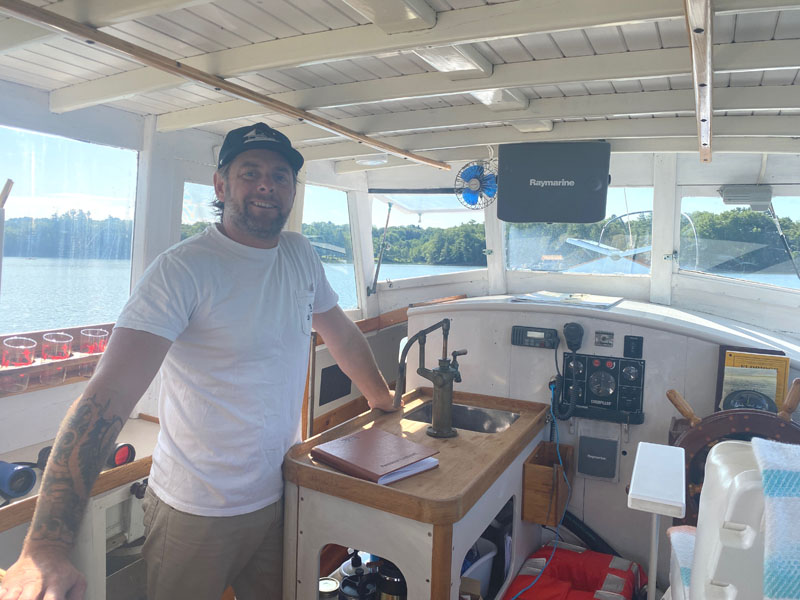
(22, 511)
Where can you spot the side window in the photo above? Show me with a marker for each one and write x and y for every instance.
(68, 231)
(326, 223)
(429, 234)
(741, 241)
(197, 212)
(619, 244)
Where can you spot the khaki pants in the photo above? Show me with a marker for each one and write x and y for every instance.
(190, 557)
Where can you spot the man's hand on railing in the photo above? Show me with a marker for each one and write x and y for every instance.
(44, 572)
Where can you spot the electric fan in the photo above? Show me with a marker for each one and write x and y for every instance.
(476, 184)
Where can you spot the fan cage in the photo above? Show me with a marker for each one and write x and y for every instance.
(482, 196)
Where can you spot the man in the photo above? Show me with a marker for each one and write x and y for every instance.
(229, 313)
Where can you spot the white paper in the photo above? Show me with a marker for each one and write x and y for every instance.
(403, 472)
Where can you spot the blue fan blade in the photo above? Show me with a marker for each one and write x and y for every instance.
(490, 179)
(472, 172)
(489, 190)
(470, 197)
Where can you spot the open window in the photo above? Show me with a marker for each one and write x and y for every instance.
(426, 234)
(326, 224)
(740, 239)
(68, 231)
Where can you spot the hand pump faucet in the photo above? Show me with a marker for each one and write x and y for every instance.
(442, 378)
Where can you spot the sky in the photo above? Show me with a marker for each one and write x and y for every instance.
(54, 174)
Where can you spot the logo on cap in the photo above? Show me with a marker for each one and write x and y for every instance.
(254, 135)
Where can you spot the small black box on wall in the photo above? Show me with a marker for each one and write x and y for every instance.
(597, 457)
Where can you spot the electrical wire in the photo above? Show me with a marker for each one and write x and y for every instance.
(569, 496)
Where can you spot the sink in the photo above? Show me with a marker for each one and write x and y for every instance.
(471, 418)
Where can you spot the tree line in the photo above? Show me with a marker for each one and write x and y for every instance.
(73, 234)
(738, 239)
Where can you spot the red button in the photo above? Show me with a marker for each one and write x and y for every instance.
(596, 362)
(609, 364)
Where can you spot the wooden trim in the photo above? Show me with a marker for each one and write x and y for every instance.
(699, 25)
(22, 511)
(150, 418)
(393, 317)
(442, 557)
(341, 414)
(86, 34)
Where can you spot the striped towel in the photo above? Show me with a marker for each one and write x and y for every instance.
(780, 472)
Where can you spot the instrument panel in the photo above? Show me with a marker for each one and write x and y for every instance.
(608, 388)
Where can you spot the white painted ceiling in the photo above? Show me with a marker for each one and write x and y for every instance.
(614, 69)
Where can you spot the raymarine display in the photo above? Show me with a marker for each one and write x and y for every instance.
(553, 182)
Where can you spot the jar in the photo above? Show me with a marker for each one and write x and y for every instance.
(328, 588)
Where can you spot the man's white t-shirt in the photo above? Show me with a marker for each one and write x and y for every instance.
(232, 382)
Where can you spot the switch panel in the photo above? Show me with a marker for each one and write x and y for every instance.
(634, 344)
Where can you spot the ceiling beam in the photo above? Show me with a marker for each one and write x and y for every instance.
(782, 97)
(740, 57)
(15, 33)
(481, 23)
(680, 127)
(740, 145)
(698, 23)
(396, 16)
(86, 33)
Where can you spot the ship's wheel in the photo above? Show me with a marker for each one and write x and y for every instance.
(736, 424)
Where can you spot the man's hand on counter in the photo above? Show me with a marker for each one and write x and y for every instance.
(384, 403)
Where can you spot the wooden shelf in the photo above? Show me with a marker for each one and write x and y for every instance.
(72, 365)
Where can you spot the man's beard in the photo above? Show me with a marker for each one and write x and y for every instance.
(259, 227)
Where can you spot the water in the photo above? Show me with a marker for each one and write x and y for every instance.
(54, 293)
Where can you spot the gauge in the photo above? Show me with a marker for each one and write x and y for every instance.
(578, 392)
(602, 383)
(630, 373)
(576, 366)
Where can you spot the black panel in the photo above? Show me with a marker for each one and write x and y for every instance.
(608, 388)
(334, 384)
(535, 337)
(553, 182)
(634, 345)
(597, 457)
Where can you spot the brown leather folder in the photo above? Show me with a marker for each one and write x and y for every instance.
(376, 455)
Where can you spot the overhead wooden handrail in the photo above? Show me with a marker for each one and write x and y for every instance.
(698, 23)
(90, 35)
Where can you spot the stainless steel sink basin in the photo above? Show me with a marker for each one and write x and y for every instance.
(471, 418)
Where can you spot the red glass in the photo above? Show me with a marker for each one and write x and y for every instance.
(56, 346)
(18, 352)
(93, 341)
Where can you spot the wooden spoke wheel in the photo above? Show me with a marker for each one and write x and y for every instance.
(737, 424)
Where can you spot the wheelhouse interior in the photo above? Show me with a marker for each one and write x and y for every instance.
(111, 155)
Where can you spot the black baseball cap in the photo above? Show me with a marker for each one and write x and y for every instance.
(256, 136)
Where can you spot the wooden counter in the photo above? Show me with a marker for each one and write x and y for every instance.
(468, 463)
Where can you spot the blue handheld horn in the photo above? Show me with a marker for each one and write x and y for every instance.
(16, 480)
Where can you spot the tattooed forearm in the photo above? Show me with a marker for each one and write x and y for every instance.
(82, 445)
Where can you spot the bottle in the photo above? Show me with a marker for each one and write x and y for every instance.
(391, 583)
